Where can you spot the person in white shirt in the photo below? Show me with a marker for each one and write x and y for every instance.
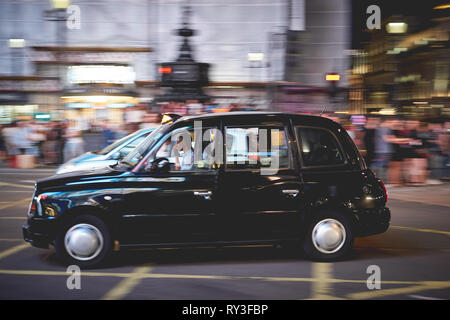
(74, 144)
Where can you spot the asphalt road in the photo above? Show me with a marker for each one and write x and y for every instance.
(413, 257)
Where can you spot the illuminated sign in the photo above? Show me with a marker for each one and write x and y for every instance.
(42, 116)
(396, 27)
(101, 74)
(332, 77)
(79, 105)
(165, 70)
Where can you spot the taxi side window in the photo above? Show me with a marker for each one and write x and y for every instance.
(180, 147)
(249, 148)
(319, 147)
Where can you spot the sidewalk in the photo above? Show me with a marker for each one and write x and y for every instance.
(430, 194)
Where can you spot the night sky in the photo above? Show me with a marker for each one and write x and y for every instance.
(421, 9)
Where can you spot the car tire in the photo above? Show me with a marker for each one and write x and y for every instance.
(84, 241)
(328, 237)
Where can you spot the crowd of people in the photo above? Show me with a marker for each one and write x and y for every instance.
(400, 151)
(48, 142)
(405, 151)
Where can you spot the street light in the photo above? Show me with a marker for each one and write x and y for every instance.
(396, 27)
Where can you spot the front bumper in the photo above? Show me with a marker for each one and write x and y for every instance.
(39, 240)
(373, 221)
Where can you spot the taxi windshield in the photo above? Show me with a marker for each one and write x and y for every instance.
(115, 144)
(141, 149)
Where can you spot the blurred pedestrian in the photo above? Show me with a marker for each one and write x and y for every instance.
(415, 161)
(436, 159)
(60, 141)
(396, 138)
(445, 147)
(38, 137)
(151, 120)
(383, 149)
(12, 149)
(369, 138)
(50, 149)
(74, 145)
(108, 134)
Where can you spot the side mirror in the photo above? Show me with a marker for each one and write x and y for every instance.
(159, 165)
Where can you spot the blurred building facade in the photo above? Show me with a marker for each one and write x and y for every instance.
(404, 68)
(259, 50)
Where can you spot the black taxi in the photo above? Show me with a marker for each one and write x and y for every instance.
(236, 178)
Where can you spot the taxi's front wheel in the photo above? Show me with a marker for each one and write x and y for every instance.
(329, 237)
(84, 241)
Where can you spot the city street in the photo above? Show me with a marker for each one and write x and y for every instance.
(413, 257)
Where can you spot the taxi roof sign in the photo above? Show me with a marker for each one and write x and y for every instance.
(169, 118)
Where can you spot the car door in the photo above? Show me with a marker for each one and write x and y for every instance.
(330, 174)
(173, 207)
(259, 200)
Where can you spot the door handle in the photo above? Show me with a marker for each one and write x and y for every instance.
(205, 194)
(291, 193)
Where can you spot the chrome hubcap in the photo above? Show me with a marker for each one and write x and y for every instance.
(83, 242)
(328, 236)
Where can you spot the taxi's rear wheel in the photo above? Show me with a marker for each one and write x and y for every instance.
(84, 241)
(329, 237)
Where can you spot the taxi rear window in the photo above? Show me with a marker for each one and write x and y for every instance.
(319, 147)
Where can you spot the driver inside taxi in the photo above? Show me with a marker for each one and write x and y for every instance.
(182, 151)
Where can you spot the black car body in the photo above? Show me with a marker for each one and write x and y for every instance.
(322, 193)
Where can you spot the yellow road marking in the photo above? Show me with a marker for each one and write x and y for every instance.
(11, 239)
(211, 277)
(447, 233)
(422, 286)
(13, 250)
(127, 285)
(15, 185)
(14, 203)
(132, 279)
(62, 273)
(14, 218)
(424, 298)
(321, 287)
